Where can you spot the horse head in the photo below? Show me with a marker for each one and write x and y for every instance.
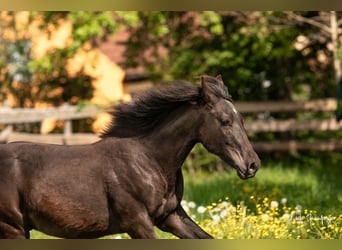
(222, 132)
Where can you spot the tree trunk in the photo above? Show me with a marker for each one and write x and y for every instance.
(337, 63)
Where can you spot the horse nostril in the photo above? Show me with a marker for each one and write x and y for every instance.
(253, 166)
(251, 170)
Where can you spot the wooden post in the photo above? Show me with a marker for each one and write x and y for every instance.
(4, 134)
(67, 128)
(67, 131)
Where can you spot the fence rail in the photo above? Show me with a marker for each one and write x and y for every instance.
(295, 146)
(277, 125)
(73, 139)
(292, 125)
(67, 113)
(327, 104)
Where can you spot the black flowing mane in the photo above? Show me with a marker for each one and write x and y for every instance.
(147, 111)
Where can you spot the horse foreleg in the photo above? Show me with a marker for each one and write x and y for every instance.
(142, 230)
(181, 225)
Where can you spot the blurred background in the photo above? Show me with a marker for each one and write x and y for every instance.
(59, 70)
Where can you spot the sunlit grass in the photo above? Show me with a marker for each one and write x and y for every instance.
(272, 220)
(34, 234)
(320, 191)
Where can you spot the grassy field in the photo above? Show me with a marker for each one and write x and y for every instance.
(284, 200)
(294, 200)
(299, 185)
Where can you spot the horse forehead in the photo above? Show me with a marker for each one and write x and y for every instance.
(231, 106)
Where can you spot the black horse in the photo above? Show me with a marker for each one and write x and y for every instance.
(131, 179)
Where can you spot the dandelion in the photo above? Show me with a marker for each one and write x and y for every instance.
(232, 209)
(201, 209)
(299, 208)
(192, 204)
(225, 204)
(223, 213)
(216, 218)
(283, 201)
(285, 217)
(185, 205)
(274, 204)
(265, 217)
(217, 209)
(209, 207)
(269, 221)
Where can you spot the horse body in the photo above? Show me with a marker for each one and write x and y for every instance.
(124, 182)
(39, 194)
(129, 176)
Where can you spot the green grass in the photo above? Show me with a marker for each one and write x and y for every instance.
(305, 186)
(160, 234)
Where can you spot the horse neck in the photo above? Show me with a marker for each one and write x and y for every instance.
(173, 141)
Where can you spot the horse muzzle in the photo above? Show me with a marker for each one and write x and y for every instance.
(249, 171)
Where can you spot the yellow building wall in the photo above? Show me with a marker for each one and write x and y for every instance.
(107, 76)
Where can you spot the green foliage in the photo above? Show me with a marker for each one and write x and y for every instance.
(261, 55)
(89, 26)
(247, 48)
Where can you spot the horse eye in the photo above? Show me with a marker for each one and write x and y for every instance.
(226, 122)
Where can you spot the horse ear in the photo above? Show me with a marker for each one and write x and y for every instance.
(219, 78)
(207, 92)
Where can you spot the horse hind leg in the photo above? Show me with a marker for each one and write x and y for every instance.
(12, 225)
(8, 231)
(12, 222)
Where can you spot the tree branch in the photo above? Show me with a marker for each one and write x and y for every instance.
(312, 22)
